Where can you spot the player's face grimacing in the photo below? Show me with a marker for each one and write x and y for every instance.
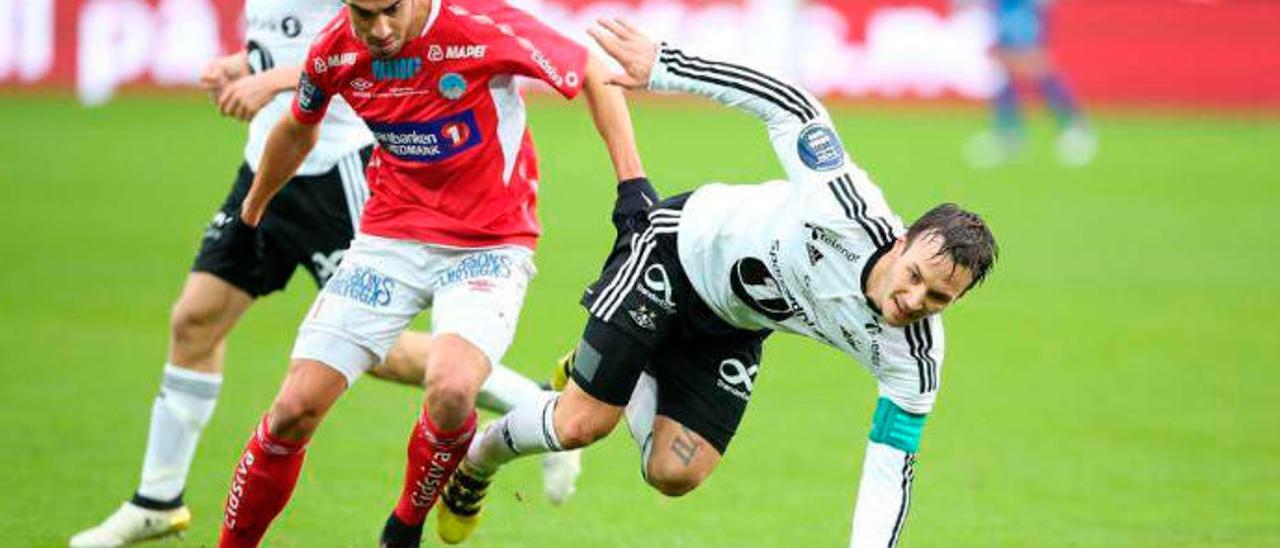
(383, 25)
(918, 281)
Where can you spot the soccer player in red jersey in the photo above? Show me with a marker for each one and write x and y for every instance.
(450, 225)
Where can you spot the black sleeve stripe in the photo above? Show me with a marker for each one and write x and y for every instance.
(855, 208)
(914, 348)
(882, 225)
(928, 348)
(688, 72)
(780, 86)
(908, 476)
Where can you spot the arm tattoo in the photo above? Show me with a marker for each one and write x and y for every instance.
(685, 446)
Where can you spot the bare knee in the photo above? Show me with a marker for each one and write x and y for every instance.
(581, 431)
(295, 416)
(580, 419)
(194, 326)
(455, 371)
(672, 477)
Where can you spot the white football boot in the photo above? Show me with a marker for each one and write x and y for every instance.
(560, 474)
(132, 524)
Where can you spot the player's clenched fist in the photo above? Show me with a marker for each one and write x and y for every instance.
(221, 71)
(243, 98)
(630, 48)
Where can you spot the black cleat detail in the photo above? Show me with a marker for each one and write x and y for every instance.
(398, 534)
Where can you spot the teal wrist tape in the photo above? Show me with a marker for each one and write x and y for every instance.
(895, 427)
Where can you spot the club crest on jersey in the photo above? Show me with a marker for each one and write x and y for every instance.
(400, 68)
(820, 149)
(452, 86)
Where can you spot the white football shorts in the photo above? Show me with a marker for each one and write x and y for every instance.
(383, 283)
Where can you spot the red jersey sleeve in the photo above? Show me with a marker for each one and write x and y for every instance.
(520, 44)
(315, 87)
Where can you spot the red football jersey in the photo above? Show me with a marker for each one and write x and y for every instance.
(455, 164)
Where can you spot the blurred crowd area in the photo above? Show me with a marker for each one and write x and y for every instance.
(1161, 52)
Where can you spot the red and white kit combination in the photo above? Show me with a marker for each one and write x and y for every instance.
(450, 224)
(453, 180)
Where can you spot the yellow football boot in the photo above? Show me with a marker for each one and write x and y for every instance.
(459, 514)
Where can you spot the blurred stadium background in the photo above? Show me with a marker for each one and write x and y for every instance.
(1114, 384)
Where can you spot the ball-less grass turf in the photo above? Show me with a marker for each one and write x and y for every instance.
(1113, 384)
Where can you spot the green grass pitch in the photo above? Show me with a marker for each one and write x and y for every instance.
(1115, 383)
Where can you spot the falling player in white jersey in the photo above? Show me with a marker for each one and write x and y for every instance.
(696, 282)
(310, 224)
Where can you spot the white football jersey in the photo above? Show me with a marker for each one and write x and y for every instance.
(791, 255)
(279, 33)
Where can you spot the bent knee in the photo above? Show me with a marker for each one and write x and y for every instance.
(578, 433)
(192, 323)
(674, 479)
(295, 416)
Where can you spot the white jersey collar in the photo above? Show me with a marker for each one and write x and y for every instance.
(431, 17)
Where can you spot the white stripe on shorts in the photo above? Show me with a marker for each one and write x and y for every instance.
(663, 222)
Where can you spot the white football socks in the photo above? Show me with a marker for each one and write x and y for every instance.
(640, 414)
(505, 390)
(181, 410)
(526, 430)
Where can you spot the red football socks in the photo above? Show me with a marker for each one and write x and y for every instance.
(263, 481)
(433, 456)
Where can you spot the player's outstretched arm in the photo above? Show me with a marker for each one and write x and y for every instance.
(884, 494)
(799, 126)
(612, 120)
(287, 146)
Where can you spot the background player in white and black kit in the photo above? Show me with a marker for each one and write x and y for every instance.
(310, 224)
(696, 282)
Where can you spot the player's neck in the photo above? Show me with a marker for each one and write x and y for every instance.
(876, 274)
(423, 11)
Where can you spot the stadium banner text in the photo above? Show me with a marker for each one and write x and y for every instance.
(1143, 51)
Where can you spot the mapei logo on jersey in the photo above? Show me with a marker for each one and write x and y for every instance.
(310, 97)
(360, 84)
(437, 53)
(430, 141)
(362, 284)
(476, 266)
(656, 286)
(737, 378)
(323, 63)
(452, 86)
(400, 68)
(831, 239)
(819, 148)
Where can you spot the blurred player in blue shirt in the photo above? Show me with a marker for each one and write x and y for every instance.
(1020, 49)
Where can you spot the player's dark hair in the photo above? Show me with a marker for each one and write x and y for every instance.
(965, 238)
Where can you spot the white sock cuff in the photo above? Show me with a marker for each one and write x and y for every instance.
(194, 383)
(549, 422)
